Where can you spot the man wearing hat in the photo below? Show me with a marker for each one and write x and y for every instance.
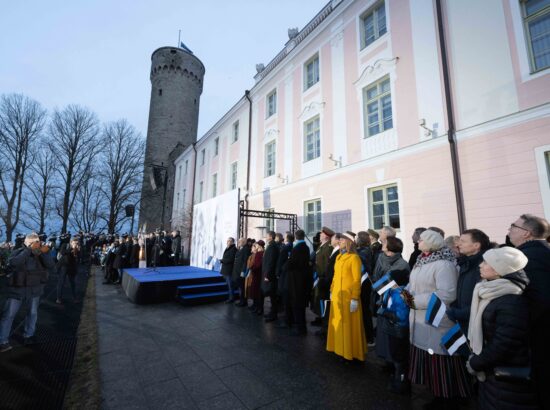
(322, 290)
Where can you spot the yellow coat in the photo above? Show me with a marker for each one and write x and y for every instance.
(346, 333)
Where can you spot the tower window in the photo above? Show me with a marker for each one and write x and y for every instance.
(160, 91)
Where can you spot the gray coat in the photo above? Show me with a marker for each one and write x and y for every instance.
(439, 276)
(31, 271)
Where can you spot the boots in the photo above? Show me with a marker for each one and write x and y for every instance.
(399, 383)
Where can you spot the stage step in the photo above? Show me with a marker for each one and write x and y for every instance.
(203, 292)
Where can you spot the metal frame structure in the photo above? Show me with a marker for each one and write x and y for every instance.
(250, 213)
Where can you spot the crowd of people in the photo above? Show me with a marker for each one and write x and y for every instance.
(462, 314)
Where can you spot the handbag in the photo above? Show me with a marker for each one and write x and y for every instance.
(513, 374)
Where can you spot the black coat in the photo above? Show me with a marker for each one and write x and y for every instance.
(538, 272)
(505, 334)
(241, 256)
(538, 296)
(414, 256)
(269, 263)
(134, 256)
(284, 254)
(228, 260)
(366, 258)
(299, 276)
(467, 280)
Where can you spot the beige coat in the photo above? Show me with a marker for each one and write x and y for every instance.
(440, 277)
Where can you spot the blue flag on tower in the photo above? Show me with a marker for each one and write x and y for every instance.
(183, 46)
(436, 311)
(453, 339)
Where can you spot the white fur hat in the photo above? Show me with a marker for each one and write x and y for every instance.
(505, 260)
(433, 240)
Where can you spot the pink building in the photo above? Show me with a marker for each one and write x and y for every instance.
(348, 126)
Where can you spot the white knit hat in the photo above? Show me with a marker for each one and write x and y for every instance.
(433, 240)
(505, 260)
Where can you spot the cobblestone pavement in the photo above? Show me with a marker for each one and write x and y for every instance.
(220, 356)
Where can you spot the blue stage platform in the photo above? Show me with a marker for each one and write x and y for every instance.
(185, 283)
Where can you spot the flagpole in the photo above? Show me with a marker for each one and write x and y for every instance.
(179, 38)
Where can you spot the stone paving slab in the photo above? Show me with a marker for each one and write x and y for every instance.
(219, 356)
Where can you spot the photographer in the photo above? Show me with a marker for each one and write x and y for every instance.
(29, 265)
(67, 267)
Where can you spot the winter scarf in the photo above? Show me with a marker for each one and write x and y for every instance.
(443, 254)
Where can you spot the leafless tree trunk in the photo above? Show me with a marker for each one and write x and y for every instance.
(39, 190)
(122, 168)
(89, 207)
(74, 133)
(21, 121)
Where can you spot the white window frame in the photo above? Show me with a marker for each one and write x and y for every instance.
(542, 156)
(270, 170)
(271, 104)
(314, 60)
(234, 173)
(235, 132)
(526, 20)
(269, 223)
(374, 11)
(317, 213)
(201, 189)
(385, 202)
(316, 134)
(378, 99)
(214, 184)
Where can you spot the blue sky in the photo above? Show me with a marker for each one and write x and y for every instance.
(97, 53)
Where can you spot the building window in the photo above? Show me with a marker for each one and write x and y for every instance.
(269, 159)
(186, 166)
(271, 103)
(214, 185)
(179, 175)
(312, 139)
(177, 201)
(234, 167)
(216, 146)
(201, 186)
(160, 92)
(203, 156)
(536, 17)
(312, 216)
(377, 107)
(384, 207)
(269, 222)
(311, 72)
(235, 131)
(183, 202)
(373, 24)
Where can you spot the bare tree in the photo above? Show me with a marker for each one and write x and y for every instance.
(39, 190)
(74, 132)
(21, 121)
(122, 168)
(89, 206)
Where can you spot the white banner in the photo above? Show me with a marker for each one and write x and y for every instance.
(214, 221)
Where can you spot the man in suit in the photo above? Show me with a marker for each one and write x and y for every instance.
(227, 262)
(269, 274)
(300, 281)
(322, 256)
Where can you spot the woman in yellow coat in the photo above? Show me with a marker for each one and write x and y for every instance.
(346, 334)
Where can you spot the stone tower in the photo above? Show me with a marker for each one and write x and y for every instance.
(176, 86)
